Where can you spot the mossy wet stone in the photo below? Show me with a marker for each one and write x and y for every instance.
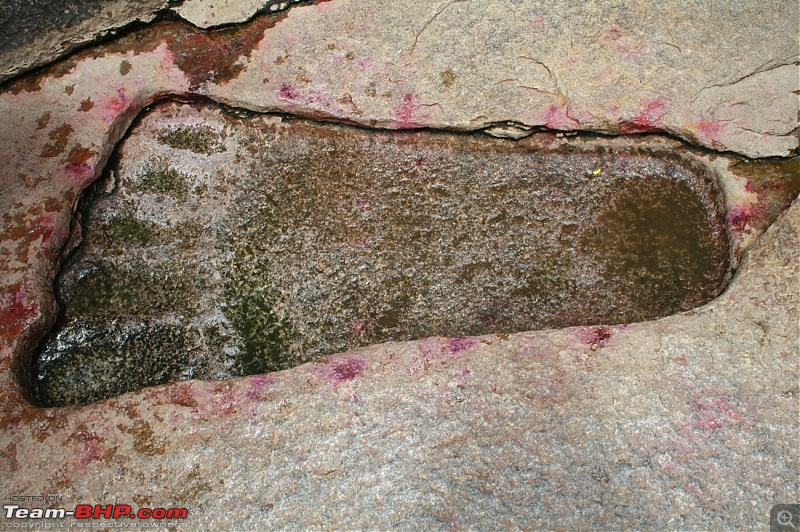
(198, 139)
(300, 240)
(165, 181)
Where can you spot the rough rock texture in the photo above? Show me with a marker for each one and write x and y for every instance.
(208, 13)
(224, 247)
(61, 125)
(688, 68)
(690, 421)
(35, 32)
(686, 422)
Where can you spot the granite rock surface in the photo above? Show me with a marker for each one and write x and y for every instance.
(690, 421)
(686, 422)
(36, 32)
(209, 13)
(219, 246)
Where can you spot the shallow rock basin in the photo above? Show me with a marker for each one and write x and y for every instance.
(220, 246)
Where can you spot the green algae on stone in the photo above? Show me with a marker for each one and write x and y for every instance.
(97, 361)
(265, 338)
(128, 231)
(198, 139)
(250, 304)
(124, 292)
(165, 180)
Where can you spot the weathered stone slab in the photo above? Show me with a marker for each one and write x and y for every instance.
(685, 422)
(224, 247)
(62, 125)
(628, 67)
(37, 32)
(33, 33)
(208, 13)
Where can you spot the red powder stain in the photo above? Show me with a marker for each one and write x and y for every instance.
(647, 120)
(82, 174)
(557, 117)
(257, 386)
(344, 370)
(362, 243)
(403, 114)
(323, 6)
(54, 233)
(225, 402)
(407, 114)
(715, 412)
(80, 167)
(634, 55)
(316, 97)
(458, 345)
(596, 336)
(17, 309)
(288, 92)
(709, 131)
(709, 421)
(459, 378)
(427, 356)
(90, 448)
(538, 20)
(711, 128)
(117, 106)
(740, 216)
(694, 489)
(362, 204)
(365, 64)
(613, 34)
(434, 351)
